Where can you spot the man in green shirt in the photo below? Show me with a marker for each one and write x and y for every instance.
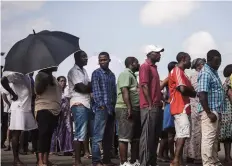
(128, 112)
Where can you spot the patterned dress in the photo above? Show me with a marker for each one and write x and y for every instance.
(226, 121)
(62, 138)
(193, 145)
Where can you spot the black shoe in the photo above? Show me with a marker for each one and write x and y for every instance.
(8, 148)
(3, 146)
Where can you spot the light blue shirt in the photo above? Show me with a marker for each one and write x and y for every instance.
(209, 81)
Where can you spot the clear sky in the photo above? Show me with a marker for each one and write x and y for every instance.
(124, 28)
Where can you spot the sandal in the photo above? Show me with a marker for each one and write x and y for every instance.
(88, 156)
(51, 164)
(19, 163)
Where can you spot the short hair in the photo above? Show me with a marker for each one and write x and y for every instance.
(227, 70)
(105, 54)
(211, 54)
(60, 77)
(197, 62)
(171, 66)
(129, 61)
(181, 55)
(77, 54)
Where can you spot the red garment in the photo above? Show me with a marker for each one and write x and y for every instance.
(148, 75)
(179, 104)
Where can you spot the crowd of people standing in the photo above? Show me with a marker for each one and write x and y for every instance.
(183, 116)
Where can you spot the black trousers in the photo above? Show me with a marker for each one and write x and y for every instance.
(151, 122)
(4, 127)
(47, 122)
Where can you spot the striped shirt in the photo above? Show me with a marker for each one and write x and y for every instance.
(209, 81)
(104, 90)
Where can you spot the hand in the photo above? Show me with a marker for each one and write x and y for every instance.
(9, 105)
(15, 97)
(101, 107)
(129, 116)
(150, 108)
(212, 117)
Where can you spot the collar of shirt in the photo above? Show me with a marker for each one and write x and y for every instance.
(130, 71)
(150, 63)
(108, 71)
(210, 68)
(78, 68)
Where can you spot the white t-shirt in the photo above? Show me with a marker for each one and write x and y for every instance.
(75, 76)
(21, 85)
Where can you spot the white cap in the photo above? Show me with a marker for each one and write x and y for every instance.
(154, 48)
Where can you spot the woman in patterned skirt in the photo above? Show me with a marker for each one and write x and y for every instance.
(226, 115)
(193, 145)
(63, 135)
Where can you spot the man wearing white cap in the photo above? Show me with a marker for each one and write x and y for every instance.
(150, 105)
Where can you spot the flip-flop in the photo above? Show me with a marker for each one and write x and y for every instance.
(18, 164)
(51, 164)
(88, 156)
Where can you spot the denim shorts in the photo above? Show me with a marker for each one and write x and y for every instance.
(82, 116)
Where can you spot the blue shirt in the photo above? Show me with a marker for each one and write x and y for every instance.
(209, 81)
(104, 90)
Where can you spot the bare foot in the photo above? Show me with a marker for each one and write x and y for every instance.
(228, 160)
(174, 163)
(18, 163)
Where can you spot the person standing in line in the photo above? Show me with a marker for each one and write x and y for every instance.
(211, 97)
(21, 116)
(192, 149)
(5, 129)
(47, 110)
(150, 106)
(80, 89)
(104, 101)
(168, 133)
(128, 112)
(62, 138)
(226, 120)
(180, 92)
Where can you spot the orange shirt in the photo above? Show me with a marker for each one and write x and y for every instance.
(179, 103)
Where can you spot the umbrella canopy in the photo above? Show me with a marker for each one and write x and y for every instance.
(41, 50)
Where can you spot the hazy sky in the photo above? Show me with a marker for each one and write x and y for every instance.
(125, 28)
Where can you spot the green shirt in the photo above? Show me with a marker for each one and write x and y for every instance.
(127, 79)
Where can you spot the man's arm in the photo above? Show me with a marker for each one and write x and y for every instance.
(5, 84)
(164, 83)
(5, 99)
(203, 98)
(123, 84)
(187, 91)
(182, 82)
(203, 86)
(115, 91)
(144, 80)
(126, 97)
(82, 88)
(97, 95)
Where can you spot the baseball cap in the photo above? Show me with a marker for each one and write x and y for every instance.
(154, 48)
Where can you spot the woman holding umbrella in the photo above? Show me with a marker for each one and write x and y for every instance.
(43, 50)
(47, 108)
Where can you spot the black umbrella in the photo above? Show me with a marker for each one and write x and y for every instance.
(41, 50)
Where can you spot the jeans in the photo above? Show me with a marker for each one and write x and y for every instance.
(81, 116)
(103, 131)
